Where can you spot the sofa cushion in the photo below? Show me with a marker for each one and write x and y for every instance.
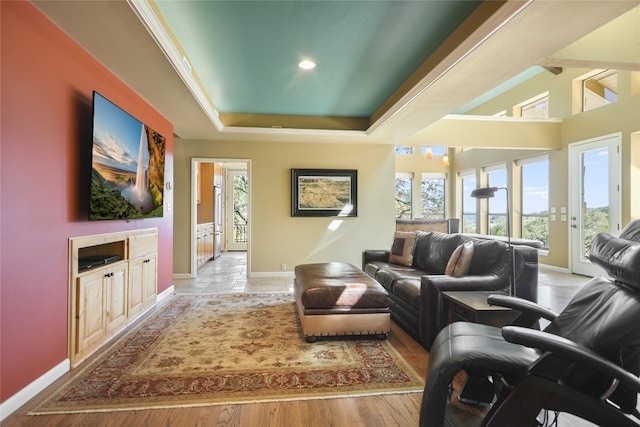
(433, 251)
(408, 290)
(460, 260)
(402, 248)
(486, 253)
(387, 276)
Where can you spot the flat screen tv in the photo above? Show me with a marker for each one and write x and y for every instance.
(127, 167)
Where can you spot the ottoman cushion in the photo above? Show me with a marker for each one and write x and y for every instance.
(336, 298)
(336, 285)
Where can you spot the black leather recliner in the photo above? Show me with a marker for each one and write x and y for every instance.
(585, 362)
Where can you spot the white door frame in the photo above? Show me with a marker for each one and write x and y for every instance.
(612, 141)
(194, 207)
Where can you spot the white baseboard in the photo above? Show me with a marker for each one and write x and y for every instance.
(166, 293)
(181, 276)
(10, 405)
(272, 274)
(554, 268)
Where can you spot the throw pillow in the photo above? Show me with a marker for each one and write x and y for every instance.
(460, 261)
(404, 242)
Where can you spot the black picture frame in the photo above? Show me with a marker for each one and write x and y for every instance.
(324, 192)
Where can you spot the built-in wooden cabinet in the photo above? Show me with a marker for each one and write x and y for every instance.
(143, 272)
(204, 242)
(115, 286)
(113, 280)
(90, 316)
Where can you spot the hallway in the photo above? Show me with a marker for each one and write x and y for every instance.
(228, 274)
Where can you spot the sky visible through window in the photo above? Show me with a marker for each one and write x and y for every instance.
(596, 178)
(469, 203)
(535, 180)
(498, 204)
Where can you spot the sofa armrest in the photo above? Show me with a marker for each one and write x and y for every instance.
(431, 289)
(526, 272)
(371, 255)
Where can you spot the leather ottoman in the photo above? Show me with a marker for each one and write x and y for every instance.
(336, 298)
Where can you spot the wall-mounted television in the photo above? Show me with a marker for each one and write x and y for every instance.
(127, 167)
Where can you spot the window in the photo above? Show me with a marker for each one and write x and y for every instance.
(497, 205)
(469, 205)
(435, 150)
(404, 184)
(403, 149)
(433, 196)
(599, 89)
(535, 198)
(534, 108)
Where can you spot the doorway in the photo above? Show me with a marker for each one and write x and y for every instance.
(594, 175)
(220, 183)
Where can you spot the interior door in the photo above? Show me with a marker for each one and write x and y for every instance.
(594, 167)
(237, 210)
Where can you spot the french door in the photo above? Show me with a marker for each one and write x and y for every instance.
(237, 210)
(594, 170)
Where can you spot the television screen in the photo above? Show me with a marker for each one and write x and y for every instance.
(127, 173)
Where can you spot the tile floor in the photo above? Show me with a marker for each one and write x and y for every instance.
(228, 274)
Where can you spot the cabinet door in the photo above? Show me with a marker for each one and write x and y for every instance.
(116, 296)
(150, 279)
(90, 309)
(199, 245)
(136, 293)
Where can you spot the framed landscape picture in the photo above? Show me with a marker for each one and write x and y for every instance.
(324, 192)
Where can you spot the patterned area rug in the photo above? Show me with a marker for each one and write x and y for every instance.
(224, 349)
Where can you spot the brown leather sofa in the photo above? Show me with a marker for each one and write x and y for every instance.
(415, 291)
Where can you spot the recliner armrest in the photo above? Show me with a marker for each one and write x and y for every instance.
(524, 306)
(569, 350)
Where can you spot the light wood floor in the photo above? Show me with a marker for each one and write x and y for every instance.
(227, 274)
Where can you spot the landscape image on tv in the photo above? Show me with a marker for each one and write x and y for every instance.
(127, 173)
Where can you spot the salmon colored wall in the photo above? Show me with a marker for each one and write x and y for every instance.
(47, 84)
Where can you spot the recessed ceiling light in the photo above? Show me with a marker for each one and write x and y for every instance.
(307, 64)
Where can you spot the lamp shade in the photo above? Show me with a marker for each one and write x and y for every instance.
(484, 193)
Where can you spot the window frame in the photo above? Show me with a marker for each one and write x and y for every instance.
(463, 175)
(434, 176)
(525, 217)
(410, 177)
(488, 170)
(532, 103)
